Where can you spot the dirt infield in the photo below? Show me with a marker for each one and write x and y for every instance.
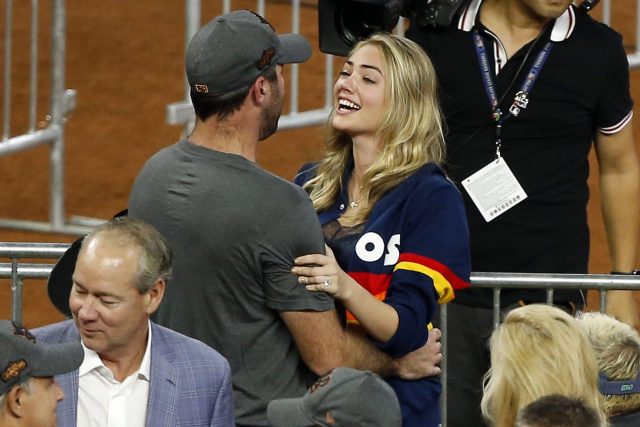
(125, 59)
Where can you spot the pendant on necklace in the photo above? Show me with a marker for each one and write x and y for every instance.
(354, 203)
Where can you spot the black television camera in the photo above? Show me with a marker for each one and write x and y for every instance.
(343, 22)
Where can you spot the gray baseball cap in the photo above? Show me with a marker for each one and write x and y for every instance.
(350, 397)
(234, 49)
(22, 358)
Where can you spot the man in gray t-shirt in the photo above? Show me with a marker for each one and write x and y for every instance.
(235, 229)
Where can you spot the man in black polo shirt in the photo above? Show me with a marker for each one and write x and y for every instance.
(526, 86)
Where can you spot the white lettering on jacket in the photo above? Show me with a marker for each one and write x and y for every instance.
(371, 248)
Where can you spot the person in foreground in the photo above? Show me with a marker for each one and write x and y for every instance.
(617, 349)
(344, 397)
(538, 350)
(394, 224)
(557, 410)
(134, 373)
(29, 394)
(236, 228)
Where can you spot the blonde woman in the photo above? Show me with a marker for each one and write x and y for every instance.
(538, 350)
(394, 224)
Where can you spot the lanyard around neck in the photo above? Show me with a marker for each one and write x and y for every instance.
(521, 99)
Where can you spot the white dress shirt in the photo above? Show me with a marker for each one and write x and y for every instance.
(105, 402)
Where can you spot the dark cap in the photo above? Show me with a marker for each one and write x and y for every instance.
(234, 49)
(61, 278)
(22, 358)
(351, 397)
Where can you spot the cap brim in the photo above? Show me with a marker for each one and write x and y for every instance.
(288, 413)
(295, 49)
(61, 277)
(58, 359)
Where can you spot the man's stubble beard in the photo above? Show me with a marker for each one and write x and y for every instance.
(271, 115)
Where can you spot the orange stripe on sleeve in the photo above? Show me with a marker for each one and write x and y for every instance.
(442, 285)
(451, 277)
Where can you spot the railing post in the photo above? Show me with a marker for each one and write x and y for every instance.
(16, 292)
(56, 155)
(444, 327)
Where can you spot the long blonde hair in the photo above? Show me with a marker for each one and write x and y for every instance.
(537, 351)
(410, 129)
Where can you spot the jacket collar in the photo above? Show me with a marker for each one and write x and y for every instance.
(562, 27)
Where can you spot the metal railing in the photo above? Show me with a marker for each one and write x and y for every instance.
(17, 271)
(61, 102)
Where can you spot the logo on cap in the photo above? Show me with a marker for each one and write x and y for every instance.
(202, 88)
(21, 331)
(13, 370)
(266, 58)
(321, 382)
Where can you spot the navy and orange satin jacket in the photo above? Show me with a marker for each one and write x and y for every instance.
(413, 251)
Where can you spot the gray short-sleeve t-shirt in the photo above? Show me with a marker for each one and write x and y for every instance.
(235, 230)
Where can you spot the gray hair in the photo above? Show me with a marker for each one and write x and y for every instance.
(26, 385)
(155, 254)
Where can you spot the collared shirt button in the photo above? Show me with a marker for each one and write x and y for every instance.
(342, 206)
